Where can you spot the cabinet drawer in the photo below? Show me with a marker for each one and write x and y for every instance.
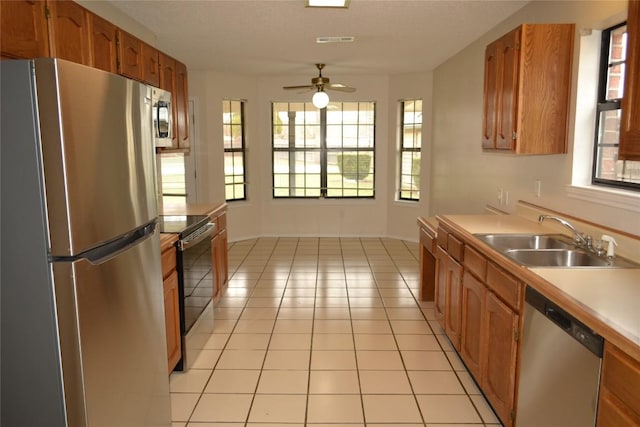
(427, 240)
(621, 377)
(505, 286)
(442, 238)
(455, 247)
(475, 263)
(168, 262)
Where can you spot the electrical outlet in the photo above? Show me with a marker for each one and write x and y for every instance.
(500, 195)
(537, 187)
(505, 198)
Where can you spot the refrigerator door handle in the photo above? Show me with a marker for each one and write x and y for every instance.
(112, 248)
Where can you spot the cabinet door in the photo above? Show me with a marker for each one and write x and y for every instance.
(168, 83)
(150, 65)
(490, 95)
(440, 288)
(629, 148)
(453, 304)
(224, 259)
(69, 31)
(507, 91)
(24, 29)
(103, 43)
(182, 105)
(129, 55)
(172, 319)
(498, 363)
(473, 294)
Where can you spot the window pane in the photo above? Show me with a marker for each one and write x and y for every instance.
(410, 145)
(173, 174)
(616, 67)
(306, 174)
(234, 148)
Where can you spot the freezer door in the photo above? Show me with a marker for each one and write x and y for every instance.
(98, 154)
(113, 344)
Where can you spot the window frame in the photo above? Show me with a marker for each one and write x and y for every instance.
(603, 104)
(235, 150)
(402, 150)
(323, 150)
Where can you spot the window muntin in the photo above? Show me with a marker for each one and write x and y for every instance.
(607, 168)
(235, 185)
(410, 149)
(323, 153)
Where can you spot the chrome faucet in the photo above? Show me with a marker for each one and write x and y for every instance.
(579, 237)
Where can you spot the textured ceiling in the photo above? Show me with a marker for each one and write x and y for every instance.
(268, 37)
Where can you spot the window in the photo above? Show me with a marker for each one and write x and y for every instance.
(173, 177)
(235, 184)
(607, 168)
(410, 146)
(323, 153)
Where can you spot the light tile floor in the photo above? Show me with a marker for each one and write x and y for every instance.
(324, 332)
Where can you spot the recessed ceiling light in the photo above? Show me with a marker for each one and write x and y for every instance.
(328, 3)
(339, 39)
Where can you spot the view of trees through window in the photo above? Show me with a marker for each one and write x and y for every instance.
(323, 153)
(607, 168)
(410, 149)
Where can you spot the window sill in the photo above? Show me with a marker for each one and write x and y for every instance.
(627, 200)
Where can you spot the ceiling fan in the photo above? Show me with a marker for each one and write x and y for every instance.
(320, 84)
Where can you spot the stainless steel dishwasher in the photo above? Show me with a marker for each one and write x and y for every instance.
(559, 367)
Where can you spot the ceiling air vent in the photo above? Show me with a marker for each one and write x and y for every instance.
(340, 39)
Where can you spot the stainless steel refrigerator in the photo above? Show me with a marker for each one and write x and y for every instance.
(82, 317)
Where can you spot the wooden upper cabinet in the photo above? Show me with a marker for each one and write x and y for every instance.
(24, 29)
(129, 55)
(181, 101)
(526, 89)
(150, 65)
(168, 83)
(629, 148)
(103, 42)
(69, 31)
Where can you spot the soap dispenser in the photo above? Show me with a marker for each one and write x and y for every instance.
(612, 243)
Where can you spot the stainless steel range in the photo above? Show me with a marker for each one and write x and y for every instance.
(195, 281)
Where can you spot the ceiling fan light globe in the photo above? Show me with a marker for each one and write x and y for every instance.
(320, 99)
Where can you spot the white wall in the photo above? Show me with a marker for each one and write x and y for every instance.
(464, 178)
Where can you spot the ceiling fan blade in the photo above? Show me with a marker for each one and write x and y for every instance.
(299, 87)
(340, 87)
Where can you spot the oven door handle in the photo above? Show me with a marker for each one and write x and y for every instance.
(186, 244)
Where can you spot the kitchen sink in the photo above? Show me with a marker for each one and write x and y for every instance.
(504, 242)
(556, 258)
(550, 250)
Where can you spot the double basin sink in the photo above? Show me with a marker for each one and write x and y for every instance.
(550, 250)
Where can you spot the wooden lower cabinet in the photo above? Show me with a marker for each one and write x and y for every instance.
(473, 305)
(219, 255)
(171, 300)
(619, 401)
(427, 263)
(498, 364)
(172, 319)
(448, 292)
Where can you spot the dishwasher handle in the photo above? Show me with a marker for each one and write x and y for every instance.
(558, 318)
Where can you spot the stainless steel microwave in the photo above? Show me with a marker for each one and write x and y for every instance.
(162, 117)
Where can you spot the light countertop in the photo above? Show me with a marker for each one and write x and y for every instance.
(605, 299)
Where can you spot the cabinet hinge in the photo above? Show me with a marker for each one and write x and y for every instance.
(516, 335)
(517, 45)
(47, 12)
(512, 414)
(514, 135)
